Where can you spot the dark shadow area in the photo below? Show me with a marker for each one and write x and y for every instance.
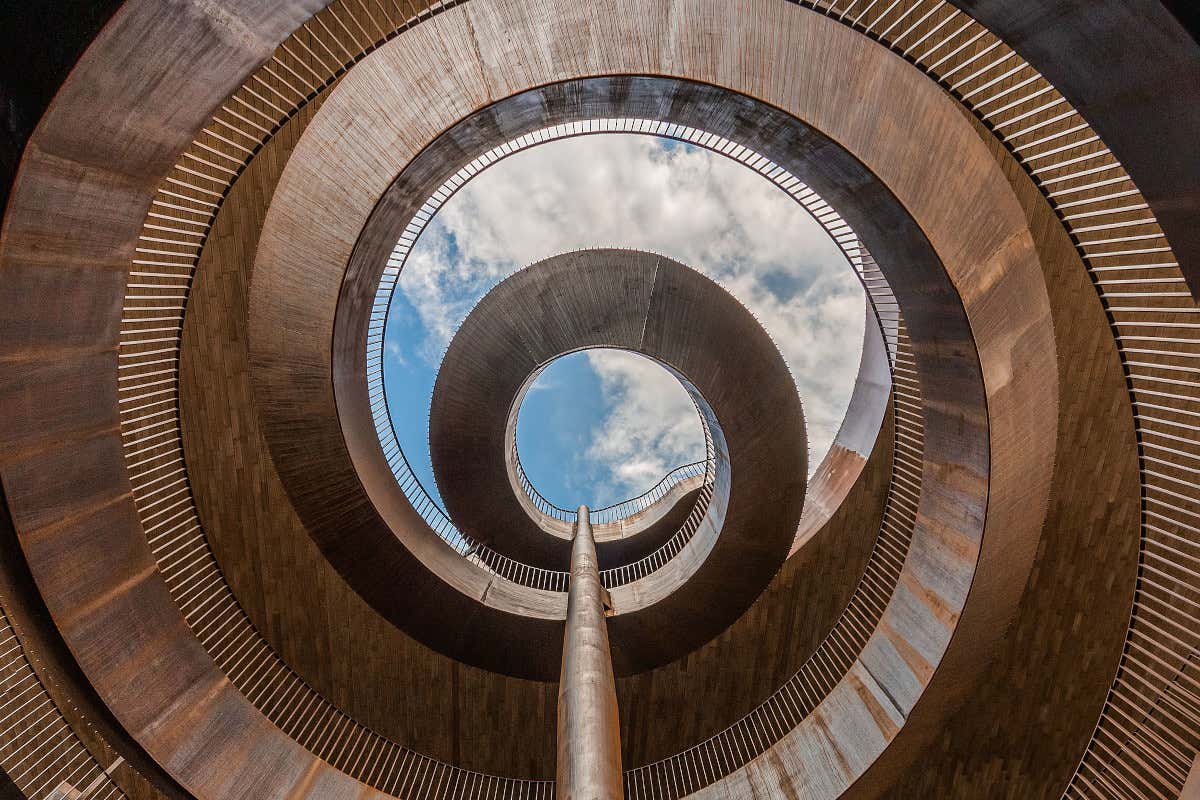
(40, 40)
(1188, 14)
(1133, 72)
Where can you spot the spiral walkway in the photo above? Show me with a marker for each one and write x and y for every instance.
(221, 578)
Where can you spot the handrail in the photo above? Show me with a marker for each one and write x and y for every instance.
(518, 572)
(636, 505)
(190, 200)
(617, 511)
(838, 229)
(940, 47)
(437, 519)
(192, 196)
(751, 735)
(40, 750)
(619, 576)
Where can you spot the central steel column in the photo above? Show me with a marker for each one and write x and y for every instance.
(589, 735)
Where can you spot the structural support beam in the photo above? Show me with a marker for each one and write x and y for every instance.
(589, 736)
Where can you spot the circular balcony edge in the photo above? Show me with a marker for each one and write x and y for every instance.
(22, 453)
(546, 517)
(391, 207)
(635, 301)
(991, 257)
(618, 522)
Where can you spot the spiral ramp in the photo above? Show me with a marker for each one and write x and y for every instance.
(219, 579)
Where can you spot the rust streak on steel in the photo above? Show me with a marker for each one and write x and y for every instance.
(589, 736)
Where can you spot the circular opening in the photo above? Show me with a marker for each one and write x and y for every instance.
(403, 215)
(741, 226)
(599, 426)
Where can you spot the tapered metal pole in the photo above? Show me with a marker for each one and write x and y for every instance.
(589, 735)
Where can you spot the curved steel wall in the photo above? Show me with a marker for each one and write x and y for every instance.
(753, 734)
(843, 236)
(882, 302)
(1148, 734)
(156, 301)
(1149, 718)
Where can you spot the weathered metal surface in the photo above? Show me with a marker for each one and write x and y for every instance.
(840, 471)
(69, 236)
(655, 306)
(1133, 71)
(330, 504)
(966, 276)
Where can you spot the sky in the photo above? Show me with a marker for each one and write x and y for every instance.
(605, 425)
(589, 411)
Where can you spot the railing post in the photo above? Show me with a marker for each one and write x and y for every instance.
(589, 736)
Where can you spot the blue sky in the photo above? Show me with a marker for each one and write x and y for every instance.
(575, 399)
(608, 425)
(554, 430)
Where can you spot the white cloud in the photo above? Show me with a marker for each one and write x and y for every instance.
(652, 426)
(395, 353)
(687, 203)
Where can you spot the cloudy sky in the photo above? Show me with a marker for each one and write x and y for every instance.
(602, 426)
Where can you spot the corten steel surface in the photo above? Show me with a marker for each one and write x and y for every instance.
(783, 632)
(589, 738)
(69, 235)
(333, 506)
(289, 591)
(58, 727)
(856, 439)
(329, 639)
(1133, 71)
(504, 121)
(1125, 253)
(574, 302)
(651, 305)
(963, 722)
(39, 43)
(284, 357)
(979, 234)
(1065, 642)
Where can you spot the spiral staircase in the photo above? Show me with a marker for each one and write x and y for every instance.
(220, 576)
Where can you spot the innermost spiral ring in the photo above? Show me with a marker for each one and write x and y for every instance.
(651, 305)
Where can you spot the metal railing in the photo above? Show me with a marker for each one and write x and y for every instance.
(662, 555)
(636, 505)
(1151, 713)
(824, 214)
(1147, 734)
(439, 521)
(180, 219)
(39, 750)
(516, 571)
(766, 724)
(616, 511)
